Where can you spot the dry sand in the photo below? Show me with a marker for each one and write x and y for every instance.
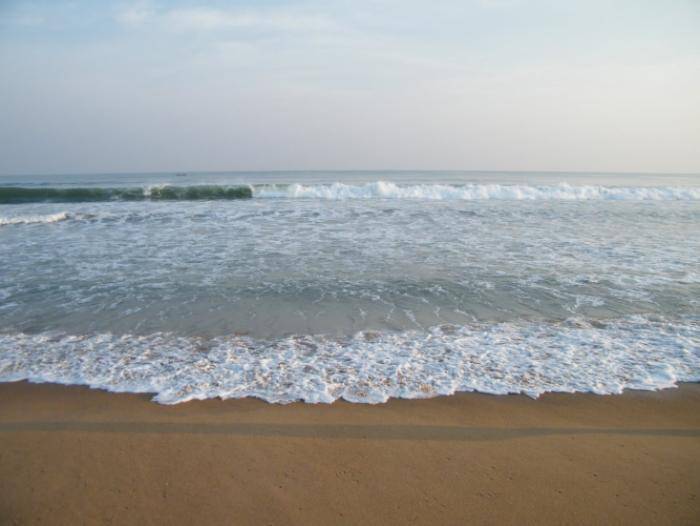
(69, 455)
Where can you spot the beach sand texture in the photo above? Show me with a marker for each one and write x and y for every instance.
(69, 455)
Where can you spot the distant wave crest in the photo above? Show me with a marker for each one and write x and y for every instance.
(373, 190)
(388, 190)
(16, 195)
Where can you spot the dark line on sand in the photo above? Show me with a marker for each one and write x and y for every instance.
(333, 431)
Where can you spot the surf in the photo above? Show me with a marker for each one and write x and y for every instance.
(342, 191)
(474, 192)
(34, 219)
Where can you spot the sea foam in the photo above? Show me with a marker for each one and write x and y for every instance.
(371, 367)
(564, 191)
(33, 219)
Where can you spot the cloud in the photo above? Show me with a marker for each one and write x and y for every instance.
(212, 19)
(135, 15)
(497, 3)
(198, 19)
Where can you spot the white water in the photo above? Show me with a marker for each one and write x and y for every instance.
(33, 219)
(468, 192)
(529, 358)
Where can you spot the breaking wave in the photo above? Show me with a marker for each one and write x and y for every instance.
(388, 190)
(16, 195)
(376, 190)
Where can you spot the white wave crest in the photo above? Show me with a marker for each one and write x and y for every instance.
(28, 220)
(529, 358)
(564, 191)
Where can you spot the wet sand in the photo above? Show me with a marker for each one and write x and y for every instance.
(70, 455)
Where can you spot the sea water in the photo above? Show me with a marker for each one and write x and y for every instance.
(317, 286)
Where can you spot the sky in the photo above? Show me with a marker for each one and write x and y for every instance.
(149, 86)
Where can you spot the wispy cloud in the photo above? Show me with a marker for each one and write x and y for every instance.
(210, 19)
(134, 15)
(497, 3)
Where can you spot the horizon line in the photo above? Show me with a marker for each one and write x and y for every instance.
(340, 170)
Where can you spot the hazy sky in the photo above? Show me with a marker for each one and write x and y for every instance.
(609, 85)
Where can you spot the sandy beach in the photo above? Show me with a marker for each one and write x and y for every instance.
(70, 455)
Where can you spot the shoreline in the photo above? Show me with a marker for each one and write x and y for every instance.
(151, 396)
(71, 454)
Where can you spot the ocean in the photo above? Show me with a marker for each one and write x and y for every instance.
(362, 286)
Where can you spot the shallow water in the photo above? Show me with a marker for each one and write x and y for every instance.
(314, 289)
